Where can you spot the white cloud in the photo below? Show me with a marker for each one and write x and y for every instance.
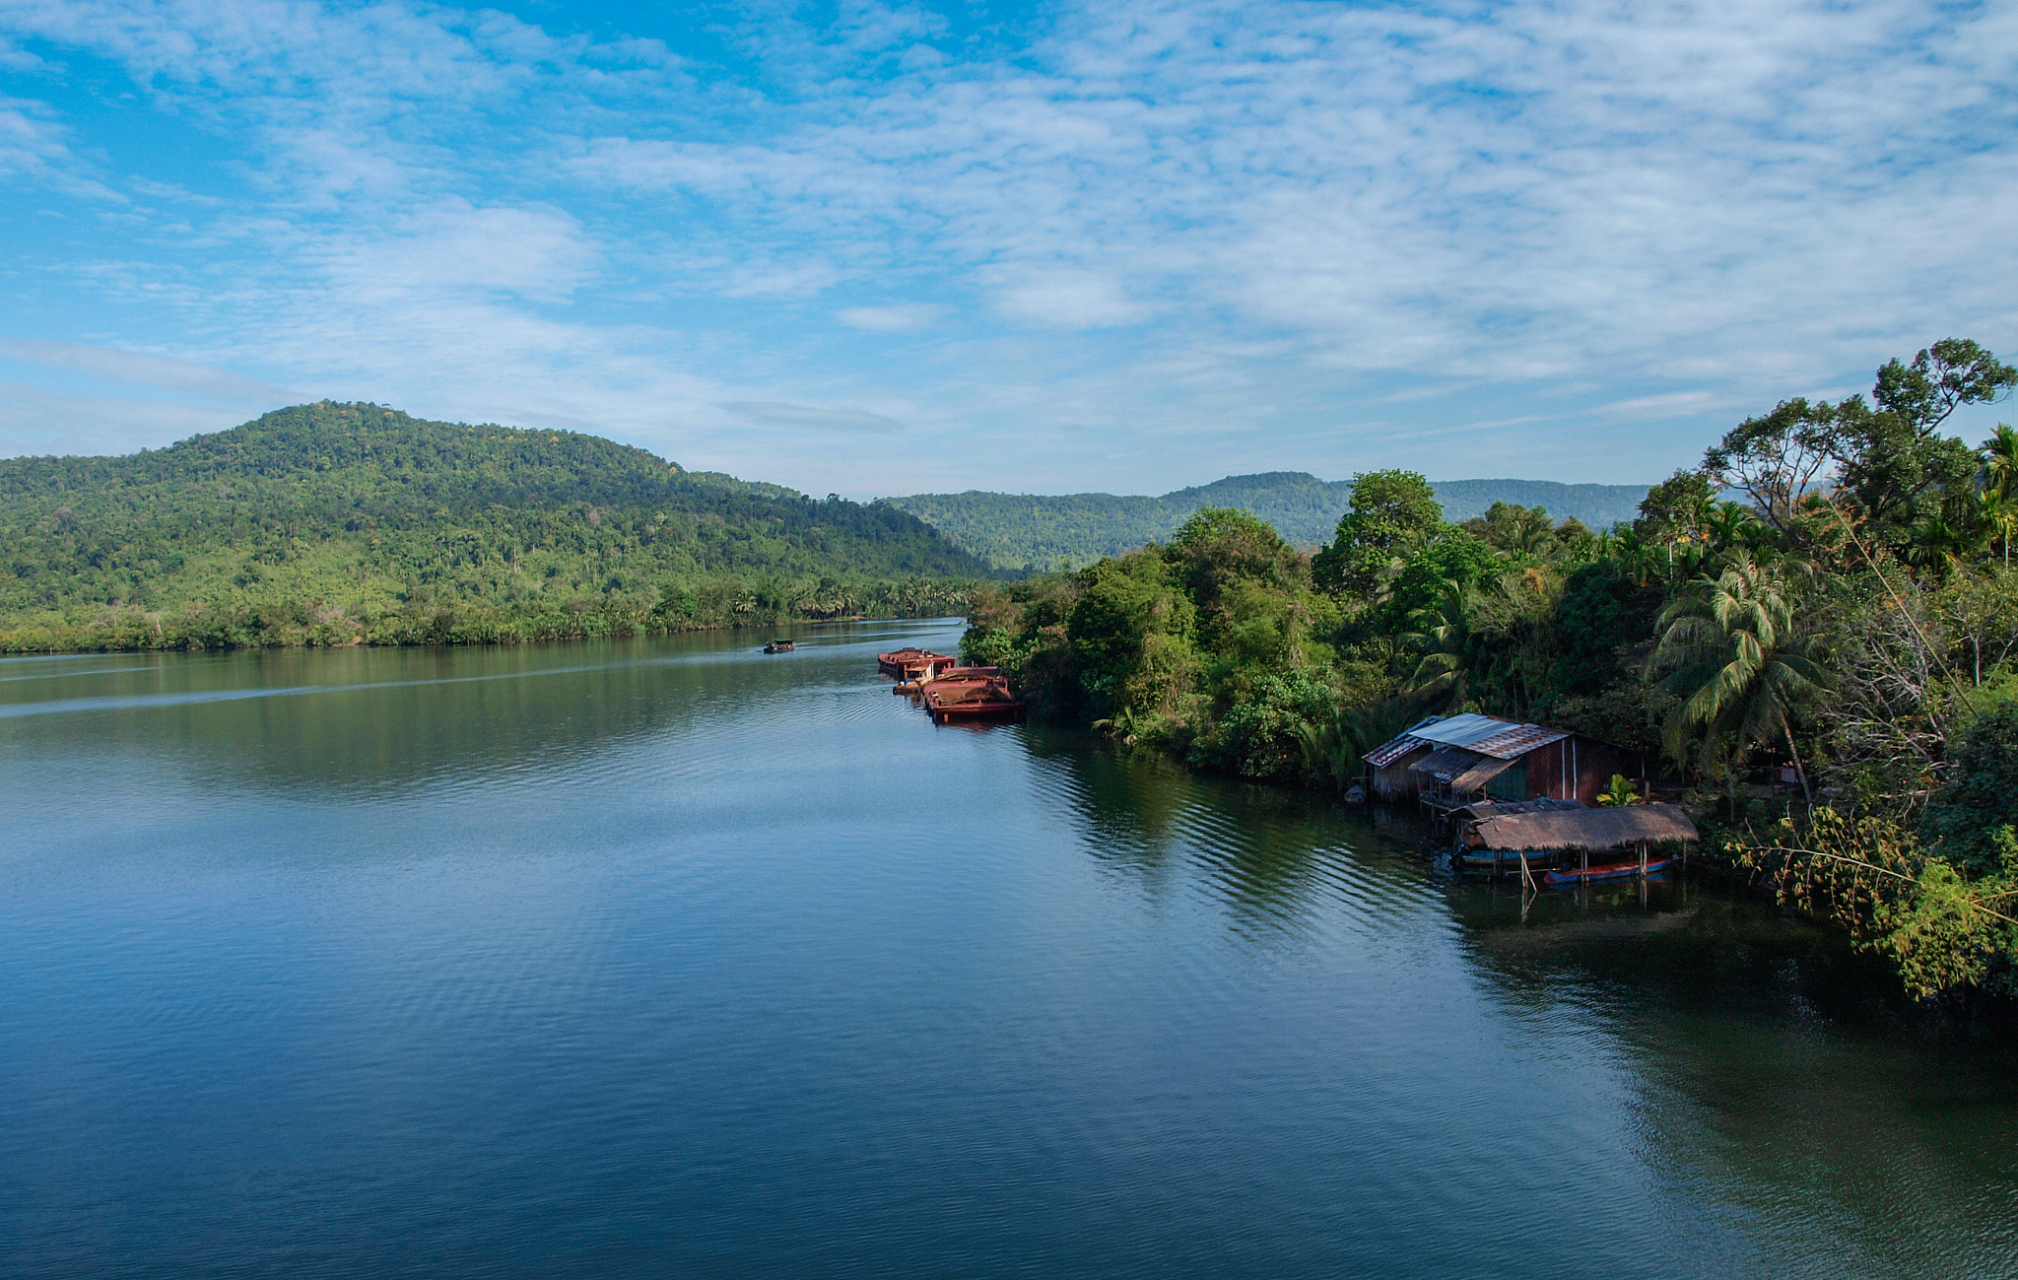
(34, 152)
(819, 417)
(138, 369)
(902, 318)
(1071, 300)
(452, 247)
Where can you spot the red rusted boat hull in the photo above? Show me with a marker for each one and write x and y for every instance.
(983, 698)
(980, 711)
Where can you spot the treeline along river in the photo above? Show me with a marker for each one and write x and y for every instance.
(664, 957)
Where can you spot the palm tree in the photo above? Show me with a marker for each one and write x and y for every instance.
(1451, 650)
(2000, 515)
(1637, 558)
(1732, 524)
(2000, 463)
(1731, 650)
(1332, 745)
(2000, 485)
(1940, 544)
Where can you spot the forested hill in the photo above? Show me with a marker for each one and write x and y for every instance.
(329, 522)
(1018, 531)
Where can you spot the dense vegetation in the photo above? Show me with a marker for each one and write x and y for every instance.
(1021, 531)
(1852, 620)
(334, 523)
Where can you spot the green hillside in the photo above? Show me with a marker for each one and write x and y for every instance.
(327, 523)
(1021, 531)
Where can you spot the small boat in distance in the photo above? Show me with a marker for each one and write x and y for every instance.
(780, 646)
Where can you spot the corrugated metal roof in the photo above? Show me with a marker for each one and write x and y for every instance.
(1475, 778)
(1394, 749)
(1388, 752)
(1518, 740)
(1493, 808)
(1445, 762)
(1487, 735)
(1461, 731)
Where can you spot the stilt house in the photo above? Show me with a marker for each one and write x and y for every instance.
(1449, 760)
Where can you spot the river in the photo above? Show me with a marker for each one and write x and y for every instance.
(666, 957)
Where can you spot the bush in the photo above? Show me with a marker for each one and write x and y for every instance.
(1262, 734)
(1981, 796)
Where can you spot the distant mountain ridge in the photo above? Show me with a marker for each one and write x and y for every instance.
(1036, 531)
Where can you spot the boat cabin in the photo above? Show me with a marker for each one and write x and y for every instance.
(911, 663)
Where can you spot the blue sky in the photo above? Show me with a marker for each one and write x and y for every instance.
(876, 249)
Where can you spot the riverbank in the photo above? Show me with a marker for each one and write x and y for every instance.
(314, 624)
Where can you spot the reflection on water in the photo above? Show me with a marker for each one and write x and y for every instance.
(366, 719)
(666, 956)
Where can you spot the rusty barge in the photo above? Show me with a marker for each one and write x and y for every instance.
(950, 692)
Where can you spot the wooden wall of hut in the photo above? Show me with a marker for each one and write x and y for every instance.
(1575, 768)
(1395, 784)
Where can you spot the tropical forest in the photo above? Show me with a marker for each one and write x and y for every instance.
(1827, 598)
(330, 524)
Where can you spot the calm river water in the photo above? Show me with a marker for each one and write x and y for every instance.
(669, 958)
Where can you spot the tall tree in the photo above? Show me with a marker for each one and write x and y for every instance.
(1885, 454)
(1892, 461)
(1391, 513)
(1777, 459)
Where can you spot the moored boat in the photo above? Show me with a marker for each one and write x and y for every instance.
(1483, 861)
(911, 663)
(1607, 871)
(975, 697)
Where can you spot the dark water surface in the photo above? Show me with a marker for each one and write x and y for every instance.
(668, 958)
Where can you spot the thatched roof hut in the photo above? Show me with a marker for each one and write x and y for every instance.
(1591, 829)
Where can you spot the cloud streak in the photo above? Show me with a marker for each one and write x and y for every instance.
(136, 369)
(818, 417)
